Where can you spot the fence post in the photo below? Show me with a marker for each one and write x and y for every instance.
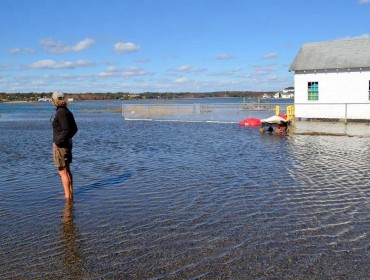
(277, 110)
(345, 114)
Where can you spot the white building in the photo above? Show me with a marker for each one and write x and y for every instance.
(332, 80)
(44, 99)
(286, 93)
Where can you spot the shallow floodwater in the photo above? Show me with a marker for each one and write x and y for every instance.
(173, 200)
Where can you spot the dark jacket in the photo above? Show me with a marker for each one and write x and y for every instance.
(64, 127)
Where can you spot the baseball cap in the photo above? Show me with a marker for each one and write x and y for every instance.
(58, 95)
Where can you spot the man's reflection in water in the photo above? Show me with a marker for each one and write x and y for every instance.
(73, 261)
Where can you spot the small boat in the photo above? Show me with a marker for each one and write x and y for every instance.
(250, 122)
(278, 124)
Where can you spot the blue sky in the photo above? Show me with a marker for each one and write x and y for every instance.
(78, 46)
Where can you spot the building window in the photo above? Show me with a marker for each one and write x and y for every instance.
(313, 90)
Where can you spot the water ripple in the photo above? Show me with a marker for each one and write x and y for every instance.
(162, 200)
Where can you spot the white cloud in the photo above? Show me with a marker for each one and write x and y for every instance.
(127, 47)
(182, 80)
(270, 55)
(260, 70)
(6, 67)
(188, 68)
(38, 83)
(59, 47)
(51, 64)
(183, 68)
(83, 45)
(355, 37)
(224, 57)
(124, 72)
(363, 1)
(74, 82)
(225, 73)
(352, 37)
(21, 50)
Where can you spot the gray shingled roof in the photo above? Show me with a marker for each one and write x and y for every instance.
(337, 54)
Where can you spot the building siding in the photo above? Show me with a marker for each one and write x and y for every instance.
(342, 86)
(342, 70)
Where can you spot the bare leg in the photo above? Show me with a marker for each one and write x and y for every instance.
(70, 180)
(66, 176)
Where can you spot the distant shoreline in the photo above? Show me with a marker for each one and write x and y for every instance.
(10, 97)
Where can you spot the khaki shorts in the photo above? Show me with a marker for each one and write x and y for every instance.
(62, 156)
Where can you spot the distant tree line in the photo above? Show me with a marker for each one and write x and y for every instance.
(33, 96)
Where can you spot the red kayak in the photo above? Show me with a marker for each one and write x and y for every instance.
(250, 122)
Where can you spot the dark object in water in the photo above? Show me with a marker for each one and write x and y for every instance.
(320, 134)
(275, 125)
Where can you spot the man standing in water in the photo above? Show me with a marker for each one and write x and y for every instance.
(64, 128)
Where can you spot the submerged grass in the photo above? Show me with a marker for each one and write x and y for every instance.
(320, 134)
(152, 111)
(117, 110)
